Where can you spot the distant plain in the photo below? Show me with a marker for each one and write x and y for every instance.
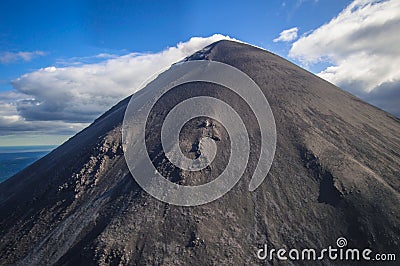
(15, 158)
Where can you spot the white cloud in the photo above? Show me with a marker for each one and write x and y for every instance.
(9, 57)
(362, 46)
(287, 35)
(12, 123)
(65, 99)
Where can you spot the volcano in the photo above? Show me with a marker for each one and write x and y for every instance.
(335, 174)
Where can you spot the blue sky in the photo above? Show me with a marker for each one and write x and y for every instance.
(59, 41)
(65, 29)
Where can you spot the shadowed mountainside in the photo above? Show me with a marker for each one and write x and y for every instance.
(335, 174)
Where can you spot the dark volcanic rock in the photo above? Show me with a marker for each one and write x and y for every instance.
(335, 174)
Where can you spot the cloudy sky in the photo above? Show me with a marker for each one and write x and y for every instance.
(63, 63)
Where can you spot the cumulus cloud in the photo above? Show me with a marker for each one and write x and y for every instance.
(287, 35)
(12, 123)
(65, 99)
(361, 44)
(10, 57)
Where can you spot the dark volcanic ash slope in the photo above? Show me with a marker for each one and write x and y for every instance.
(335, 174)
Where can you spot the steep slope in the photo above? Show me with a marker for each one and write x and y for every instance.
(335, 174)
